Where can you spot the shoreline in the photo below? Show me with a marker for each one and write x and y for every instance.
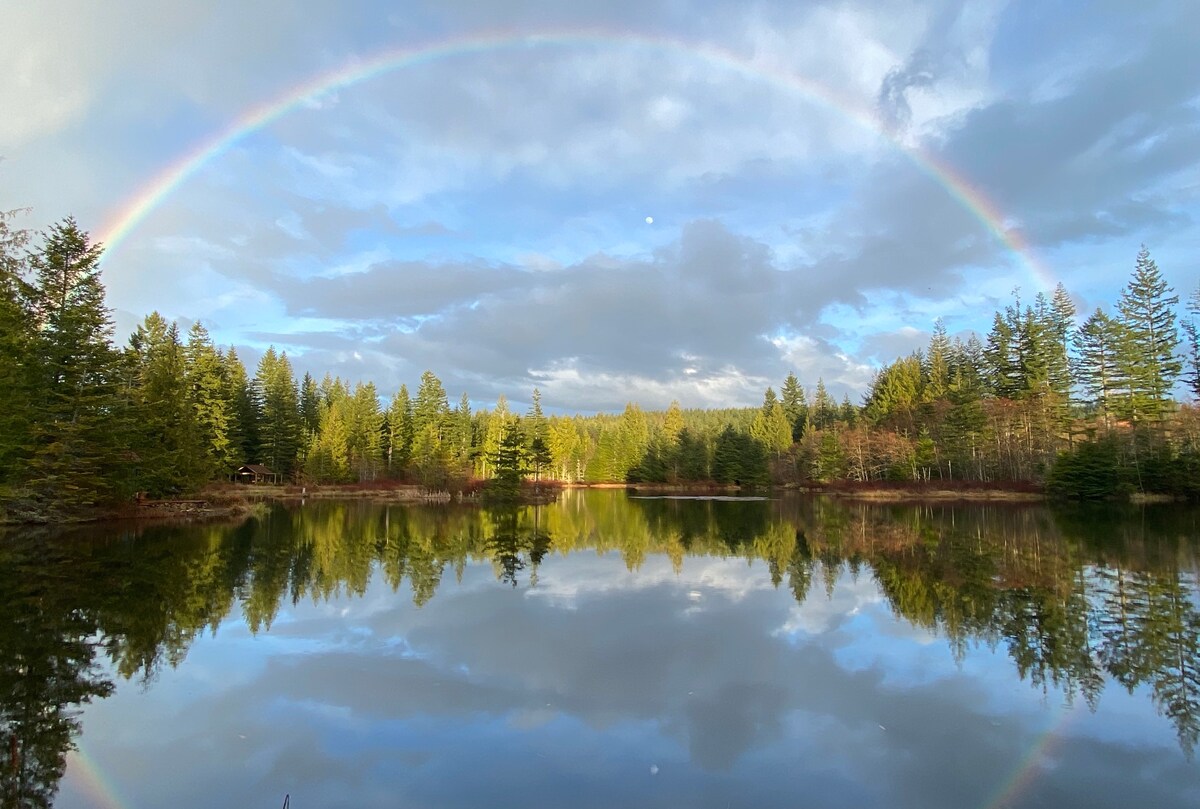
(231, 501)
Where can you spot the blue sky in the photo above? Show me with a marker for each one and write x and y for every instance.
(484, 214)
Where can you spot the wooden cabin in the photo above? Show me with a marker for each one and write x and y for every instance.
(256, 473)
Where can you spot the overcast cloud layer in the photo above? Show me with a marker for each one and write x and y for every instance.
(487, 214)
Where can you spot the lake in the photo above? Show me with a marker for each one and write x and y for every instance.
(607, 651)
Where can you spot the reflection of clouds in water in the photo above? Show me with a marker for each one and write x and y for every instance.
(486, 692)
(820, 613)
(565, 581)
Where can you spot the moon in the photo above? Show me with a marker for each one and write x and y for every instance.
(649, 220)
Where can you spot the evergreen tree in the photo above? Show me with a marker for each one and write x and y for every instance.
(1062, 325)
(170, 453)
(76, 452)
(566, 444)
(247, 410)
(364, 440)
(310, 406)
(738, 459)
(508, 463)
(824, 409)
(431, 414)
(1148, 359)
(937, 364)
(672, 424)
(1098, 343)
(1001, 357)
(795, 405)
(770, 426)
(280, 402)
(1191, 327)
(461, 435)
(400, 432)
(213, 408)
(496, 425)
(535, 419)
(16, 345)
(632, 439)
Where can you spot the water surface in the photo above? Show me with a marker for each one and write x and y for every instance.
(607, 651)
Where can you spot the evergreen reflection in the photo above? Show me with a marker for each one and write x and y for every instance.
(1077, 599)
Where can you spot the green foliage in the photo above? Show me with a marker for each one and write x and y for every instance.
(87, 425)
(213, 406)
(1147, 359)
(170, 451)
(508, 465)
(1091, 471)
(279, 424)
(75, 451)
(739, 459)
(399, 432)
(16, 350)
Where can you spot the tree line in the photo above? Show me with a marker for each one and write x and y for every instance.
(1087, 408)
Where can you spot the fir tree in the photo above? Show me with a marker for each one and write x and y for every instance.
(212, 406)
(76, 455)
(795, 405)
(16, 344)
(171, 456)
(400, 432)
(280, 402)
(1148, 358)
(247, 410)
(1098, 343)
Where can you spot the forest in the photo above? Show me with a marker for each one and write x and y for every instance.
(1085, 406)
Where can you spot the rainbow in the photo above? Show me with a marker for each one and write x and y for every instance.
(1027, 770)
(133, 211)
(92, 781)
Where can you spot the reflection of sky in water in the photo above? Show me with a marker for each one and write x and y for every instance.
(603, 687)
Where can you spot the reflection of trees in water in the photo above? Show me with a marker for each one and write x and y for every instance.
(47, 669)
(1072, 597)
(515, 545)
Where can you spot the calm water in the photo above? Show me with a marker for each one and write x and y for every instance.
(607, 651)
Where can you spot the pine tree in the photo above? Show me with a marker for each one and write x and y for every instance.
(496, 425)
(1001, 358)
(461, 437)
(431, 414)
(1148, 358)
(795, 405)
(1098, 343)
(1062, 323)
(937, 364)
(565, 444)
(632, 439)
(535, 419)
(310, 406)
(364, 443)
(16, 344)
(171, 457)
(1191, 327)
(212, 406)
(76, 456)
(824, 410)
(508, 463)
(431, 406)
(770, 426)
(245, 430)
(400, 432)
(280, 402)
